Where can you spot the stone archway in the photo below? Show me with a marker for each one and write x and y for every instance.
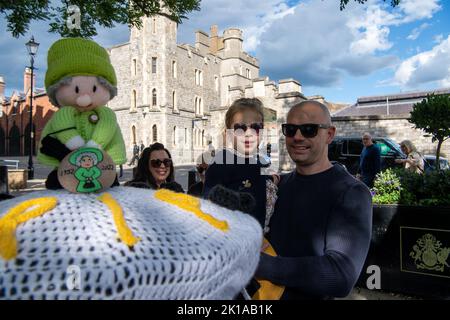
(2, 142)
(14, 141)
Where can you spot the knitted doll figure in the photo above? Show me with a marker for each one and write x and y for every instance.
(80, 80)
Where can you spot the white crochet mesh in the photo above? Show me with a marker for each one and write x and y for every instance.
(179, 256)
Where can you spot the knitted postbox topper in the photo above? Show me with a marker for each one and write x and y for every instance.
(125, 243)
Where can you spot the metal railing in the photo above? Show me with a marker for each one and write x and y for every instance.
(10, 163)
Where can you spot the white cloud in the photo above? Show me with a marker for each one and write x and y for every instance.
(418, 9)
(415, 33)
(318, 44)
(438, 38)
(431, 66)
(254, 17)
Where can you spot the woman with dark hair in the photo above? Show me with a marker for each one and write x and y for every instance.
(155, 170)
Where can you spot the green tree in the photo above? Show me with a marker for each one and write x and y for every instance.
(432, 115)
(104, 13)
(345, 2)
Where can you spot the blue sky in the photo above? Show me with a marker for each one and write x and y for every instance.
(365, 50)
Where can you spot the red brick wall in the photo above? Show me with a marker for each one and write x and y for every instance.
(42, 111)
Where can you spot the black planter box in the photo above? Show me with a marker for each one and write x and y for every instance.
(411, 245)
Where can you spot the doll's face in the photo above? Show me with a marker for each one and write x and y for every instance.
(86, 162)
(84, 93)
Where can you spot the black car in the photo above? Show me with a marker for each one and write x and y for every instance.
(347, 150)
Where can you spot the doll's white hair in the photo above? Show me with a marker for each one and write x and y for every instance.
(91, 155)
(51, 90)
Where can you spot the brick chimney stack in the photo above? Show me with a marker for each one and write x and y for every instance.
(2, 89)
(27, 80)
(214, 40)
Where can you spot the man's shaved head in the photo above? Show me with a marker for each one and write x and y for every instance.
(310, 153)
(308, 103)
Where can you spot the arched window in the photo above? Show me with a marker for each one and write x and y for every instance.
(154, 98)
(174, 135)
(2, 142)
(154, 133)
(154, 25)
(14, 141)
(134, 67)
(203, 138)
(174, 69)
(174, 101)
(216, 83)
(196, 105)
(133, 134)
(154, 59)
(200, 106)
(133, 100)
(193, 137)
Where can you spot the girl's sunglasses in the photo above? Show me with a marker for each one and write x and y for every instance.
(156, 163)
(255, 126)
(308, 130)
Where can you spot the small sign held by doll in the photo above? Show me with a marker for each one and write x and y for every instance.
(86, 170)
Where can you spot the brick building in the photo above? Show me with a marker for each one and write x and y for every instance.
(14, 118)
(387, 116)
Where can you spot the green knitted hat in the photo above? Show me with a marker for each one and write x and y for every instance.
(78, 57)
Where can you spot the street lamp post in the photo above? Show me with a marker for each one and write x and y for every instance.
(32, 48)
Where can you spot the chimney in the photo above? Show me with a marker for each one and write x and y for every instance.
(202, 42)
(27, 80)
(214, 40)
(2, 89)
(289, 86)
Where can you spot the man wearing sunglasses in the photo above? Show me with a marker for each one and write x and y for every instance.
(321, 227)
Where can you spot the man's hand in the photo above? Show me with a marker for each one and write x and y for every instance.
(276, 179)
(264, 246)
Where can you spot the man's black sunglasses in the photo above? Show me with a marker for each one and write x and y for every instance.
(308, 130)
(244, 127)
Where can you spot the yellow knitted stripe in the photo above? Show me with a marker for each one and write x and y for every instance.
(125, 233)
(191, 204)
(17, 216)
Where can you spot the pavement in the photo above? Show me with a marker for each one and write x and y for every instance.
(41, 172)
(181, 176)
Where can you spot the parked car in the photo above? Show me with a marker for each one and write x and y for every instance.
(347, 150)
(430, 163)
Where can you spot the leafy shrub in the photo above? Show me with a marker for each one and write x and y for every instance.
(386, 189)
(399, 186)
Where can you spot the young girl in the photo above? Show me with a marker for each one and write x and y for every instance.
(238, 166)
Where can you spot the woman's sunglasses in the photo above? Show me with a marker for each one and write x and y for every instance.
(242, 126)
(156, 163)
(308, 130)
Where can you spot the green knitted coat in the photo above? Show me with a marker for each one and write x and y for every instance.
(68, 123)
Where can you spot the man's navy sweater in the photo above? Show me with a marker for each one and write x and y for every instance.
(320, 230)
